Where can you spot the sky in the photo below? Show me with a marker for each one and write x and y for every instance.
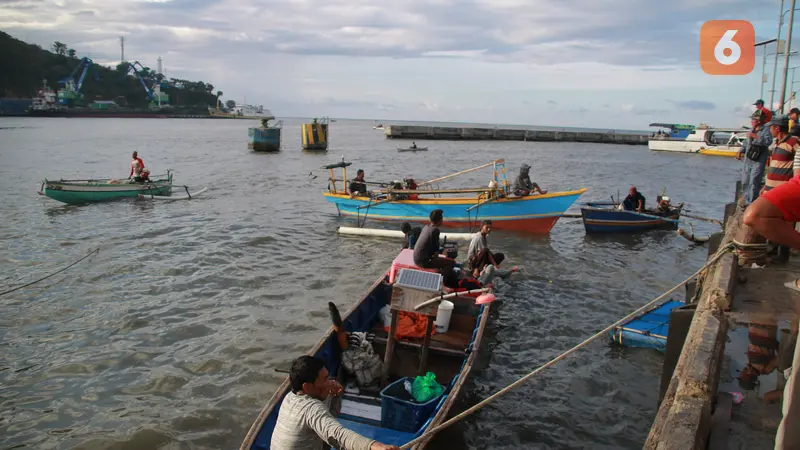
(584, 63)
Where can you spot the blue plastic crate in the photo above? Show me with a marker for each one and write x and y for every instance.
(404, 415)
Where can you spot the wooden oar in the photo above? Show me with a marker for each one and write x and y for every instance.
(498, 161)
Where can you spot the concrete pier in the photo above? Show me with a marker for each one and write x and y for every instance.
(735, 303)
(507, 134)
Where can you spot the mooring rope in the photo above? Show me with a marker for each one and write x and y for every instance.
(97, 250)
(558, 358)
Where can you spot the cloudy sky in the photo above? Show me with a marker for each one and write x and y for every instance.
(589, 63)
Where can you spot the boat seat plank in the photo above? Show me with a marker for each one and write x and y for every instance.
(383, 435)
(451, 342)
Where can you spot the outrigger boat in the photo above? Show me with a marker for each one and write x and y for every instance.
(382, 409)
(412, 149)
(608, 217)
(532, 214)
(75, 192)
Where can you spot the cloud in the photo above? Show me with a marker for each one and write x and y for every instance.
(427, 58)
(697, 105)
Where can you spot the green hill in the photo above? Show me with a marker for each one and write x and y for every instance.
(23, 66)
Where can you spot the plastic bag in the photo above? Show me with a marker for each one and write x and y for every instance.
(425, 388)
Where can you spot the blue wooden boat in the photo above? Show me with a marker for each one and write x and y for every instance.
(606, 217)
(462, 207)
(372, 412)
(649, 330)
(267, 138)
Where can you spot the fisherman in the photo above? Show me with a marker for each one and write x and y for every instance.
(479, 255)
(781, 166)
(766, 113)
(358, 187)
(523, 185)
(794, 123)
(411, 235)
(304, 421)
(756, 152)
(136, 165)
(634, 201)
(427, 249)
(413, 144)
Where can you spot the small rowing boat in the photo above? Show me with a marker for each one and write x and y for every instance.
(382, 409)
(606, 217)
(649, 330)
(75, 192)
(466, 207)
(412, 149)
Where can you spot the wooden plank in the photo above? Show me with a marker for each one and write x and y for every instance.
(387, 358)
(426, 344)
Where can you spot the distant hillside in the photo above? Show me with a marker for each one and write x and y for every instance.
(23, 66)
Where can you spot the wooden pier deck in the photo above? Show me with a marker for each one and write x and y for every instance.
(509, 134)
(734, 303)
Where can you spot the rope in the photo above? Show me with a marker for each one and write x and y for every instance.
(553, 361)
(97, 250)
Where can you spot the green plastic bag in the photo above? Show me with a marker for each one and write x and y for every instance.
(425, 388)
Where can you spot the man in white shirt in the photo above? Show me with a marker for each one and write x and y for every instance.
(479, 255)
(304, 421)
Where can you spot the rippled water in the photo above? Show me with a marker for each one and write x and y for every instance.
(169, 337)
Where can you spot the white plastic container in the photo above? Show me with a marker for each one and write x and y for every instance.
(443, 316)
(386, 315)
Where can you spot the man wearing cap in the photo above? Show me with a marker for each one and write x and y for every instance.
(794, 126)
(780, 165)
(759, 104)
(755, 151)
(523, 184)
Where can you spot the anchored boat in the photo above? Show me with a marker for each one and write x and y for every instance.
(381, 409)
(461, 207)
(607, 217)
(75, 192)
(703, 139)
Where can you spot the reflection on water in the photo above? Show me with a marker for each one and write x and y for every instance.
(170, 335)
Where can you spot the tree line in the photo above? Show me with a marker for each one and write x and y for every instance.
(23, 67)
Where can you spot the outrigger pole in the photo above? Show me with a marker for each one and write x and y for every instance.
(499, 161)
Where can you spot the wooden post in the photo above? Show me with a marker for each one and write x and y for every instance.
(387, 358)
(333, 181)
(423, 361)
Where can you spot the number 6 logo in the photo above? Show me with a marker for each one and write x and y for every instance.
(727, 47)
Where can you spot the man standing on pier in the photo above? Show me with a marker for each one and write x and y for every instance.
(765, 113)
(780, 166)
(756, 152)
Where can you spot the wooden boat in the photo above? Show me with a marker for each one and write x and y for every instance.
(99, 190)
(412, 149)
(649, 330)
(373, 411)
(731, 153)
(531, 214)
(606, 217)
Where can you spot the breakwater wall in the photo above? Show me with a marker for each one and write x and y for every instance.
(509, 134)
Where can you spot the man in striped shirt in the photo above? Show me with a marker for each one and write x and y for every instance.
(780, 166)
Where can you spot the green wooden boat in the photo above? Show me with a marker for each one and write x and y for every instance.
(75, 192)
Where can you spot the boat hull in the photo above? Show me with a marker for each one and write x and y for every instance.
(80, 193)
(532, 214)
(609, 220)
(684, 146)
(728, 153)
(362, 318)
(649, 330)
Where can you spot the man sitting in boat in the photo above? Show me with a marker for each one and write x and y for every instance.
(427, 248)
(136, 164)
(664, 205)
(358, 187)
(412, 186)
(523, 185)
(411, 235)
(479, 255)
(634, 201)
(304, 420)
(413, 144)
